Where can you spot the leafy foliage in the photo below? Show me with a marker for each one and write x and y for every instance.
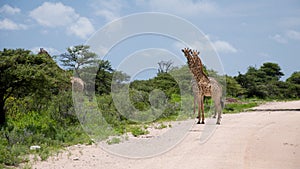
(104, 77)
(137, 131)
(23, 74)
(77, 57)
(264, 82)
(234, 89)
(114, 140)
(36, 97)
(295, 78)
(294, 85)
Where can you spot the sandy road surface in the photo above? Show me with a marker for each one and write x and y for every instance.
(252, 140)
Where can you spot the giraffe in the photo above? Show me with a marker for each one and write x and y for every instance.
(43, 51)
(77, 83)
(195, 93)
(207, 86)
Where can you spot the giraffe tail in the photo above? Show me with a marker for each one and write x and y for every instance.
(222, 103)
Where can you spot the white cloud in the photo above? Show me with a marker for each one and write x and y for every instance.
(108, 15)
(59, 15)
(82, 28)
(224, 47)
(181, 7)
(278, 38)
(219, 45)
(7, 24)
(109, 9)
(7, 9)
(284, 37)
(293, 34)
(54, 14)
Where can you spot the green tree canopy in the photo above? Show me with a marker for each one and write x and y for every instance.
(251, 81)
(272, 71)
(23, 73)
(263, 82)
(77, 57)
(233, 87)
(294, 85)
(105, 75)
(295, 78)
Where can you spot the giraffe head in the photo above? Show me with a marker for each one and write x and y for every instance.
(43, 51)
(186, 51)
(196, 58)
(195, 53)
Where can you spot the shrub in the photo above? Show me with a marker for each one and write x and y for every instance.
(114, 140)
(137, 131)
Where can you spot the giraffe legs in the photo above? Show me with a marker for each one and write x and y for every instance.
(218, 106)
(215, 113)
(200, 110)
(219, 116)
(195, 99)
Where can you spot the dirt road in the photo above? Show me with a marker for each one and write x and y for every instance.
(252, 140)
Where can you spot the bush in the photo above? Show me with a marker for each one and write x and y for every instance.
(137, 131)
(24, 129)
(114, 140)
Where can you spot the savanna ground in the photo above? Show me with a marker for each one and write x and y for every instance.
(250, 140)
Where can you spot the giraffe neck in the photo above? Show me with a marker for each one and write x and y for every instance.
(196, 67)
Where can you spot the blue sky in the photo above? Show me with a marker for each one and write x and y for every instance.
(244, 33)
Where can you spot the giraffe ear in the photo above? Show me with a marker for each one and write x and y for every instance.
(182, 50)
(198, 53)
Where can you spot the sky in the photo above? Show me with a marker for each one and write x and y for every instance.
(243, 33)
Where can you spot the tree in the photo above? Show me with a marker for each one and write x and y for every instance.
(272, 71)
(251, 81)
(77, 58)
(23, 73)
(97, 74)
(263, 82)
(294, 85)
(233, 87)
(183, 77)
(166, 83)
(165, 66)
(295, 78)
(103, 77)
